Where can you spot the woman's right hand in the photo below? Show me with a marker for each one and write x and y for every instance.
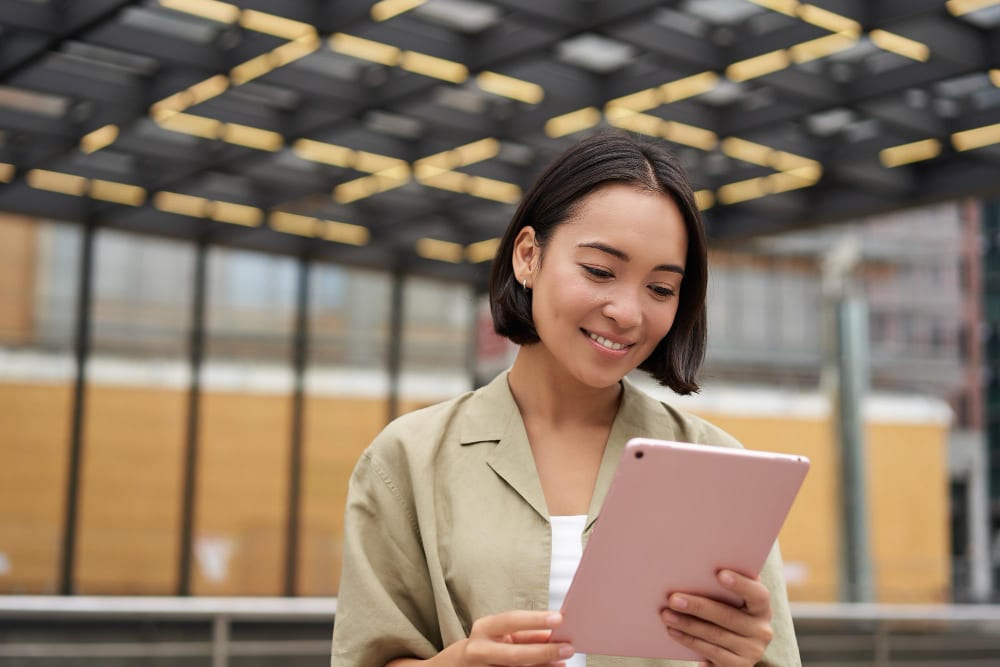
(514, 638)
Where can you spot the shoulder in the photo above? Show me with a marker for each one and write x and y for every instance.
(670, 422)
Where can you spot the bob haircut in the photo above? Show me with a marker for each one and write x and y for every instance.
(610, 157)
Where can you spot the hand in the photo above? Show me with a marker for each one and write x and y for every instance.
(727, 636)
(515, 638)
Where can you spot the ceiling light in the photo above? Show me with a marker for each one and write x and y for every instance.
(574, 121)
(252, 137)
(794, 179)
(442, 251)
(436, 68)
(821, 47)
(295, 50)
(223, 12)
(482, 251)
(386, 9)
(688, 86)
(6, 172)
(752, 68)
(747, 151)
(634, 122)
(787, 7)
(198, 126)
(373, 162)
(279, 26)
(119, 193)
(508, 86)
(828, 20)
(644, 100)
(365, 49)
(704, 199)
(489, 188)
(252, 69)
(54, 181)
(962, 7)
(908, 48)
(689, 135)
(976, 138)
(343, 232)
(995, 77)
(366, 186)
(291, 223)
(752, 188)
(236, 214)
(99, 138)
(477, 151)
(784, 161)
(174, 202)
(595, 53)
(912, 152)
(207, 89)
(442, 179)
(320, 151)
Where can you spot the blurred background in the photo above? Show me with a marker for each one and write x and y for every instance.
(237, 238)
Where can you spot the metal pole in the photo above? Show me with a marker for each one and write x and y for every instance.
(195, 359)
(846, 375)
(299, 356)
(978, 521)
(395, 343)
(84, 311)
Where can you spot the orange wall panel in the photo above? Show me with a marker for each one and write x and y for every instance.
(18, 241)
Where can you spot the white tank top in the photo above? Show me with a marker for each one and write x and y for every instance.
(567, 548)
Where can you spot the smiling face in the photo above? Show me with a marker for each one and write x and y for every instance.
(606, 287)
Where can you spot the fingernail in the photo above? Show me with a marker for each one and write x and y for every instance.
(677, 602)
(672, 619)
(553, 619)
(675, 633)
(566, 651)
(727, 578)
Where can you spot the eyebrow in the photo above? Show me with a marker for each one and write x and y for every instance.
(615, 252)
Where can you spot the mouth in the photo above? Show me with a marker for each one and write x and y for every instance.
(607, 343)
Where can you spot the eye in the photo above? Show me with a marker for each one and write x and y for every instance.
(662, 291)
(597, 272)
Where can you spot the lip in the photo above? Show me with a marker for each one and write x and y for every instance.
(614, 339)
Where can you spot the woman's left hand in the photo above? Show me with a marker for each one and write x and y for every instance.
(727, 636)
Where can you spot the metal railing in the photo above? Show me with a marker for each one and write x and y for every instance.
(43, 630)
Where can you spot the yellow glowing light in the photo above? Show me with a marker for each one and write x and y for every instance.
(174, 202)
(489, 188)
(366, 186)
(223, 12)
(442, 251)
(635, 122)
(911, 152)
(787, 7)
(343, 232)
(962, 7)
(295, 50)
(319, 151)
(373, 162)
(574, 121)
(828, 20)
(752, 188)
(253, 68)
(279, 26)
(689, 135)
(6, 172)
(482, 251)
(821, 47)
(976, 138)
(207, 89)
(365, 49)
(99, 138)
(386, 9)
(908, 48)
(995, 77)
(442, 179)
(784, 161)
(644, 100)
(477, 151)
(748, 151)
(689, 86)
(291, 223)
(508, 86)
(704, 199)
(751, 68)
(434, 67)
(168, 106)
(236, 214)
(252, 137)
(198, 126)
(119, 193)
(54, 181)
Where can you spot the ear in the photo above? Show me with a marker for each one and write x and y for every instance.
(527, 255)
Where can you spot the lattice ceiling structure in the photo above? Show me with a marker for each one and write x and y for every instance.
(400, 134)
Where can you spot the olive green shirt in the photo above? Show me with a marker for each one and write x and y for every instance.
(446, 523)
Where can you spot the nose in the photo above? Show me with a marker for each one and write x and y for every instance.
(624, 307)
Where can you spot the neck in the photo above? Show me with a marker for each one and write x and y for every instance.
(544, 395)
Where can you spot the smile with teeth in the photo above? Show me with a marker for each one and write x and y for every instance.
(604, 342)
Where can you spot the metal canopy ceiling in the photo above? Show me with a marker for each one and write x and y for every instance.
(399, 134)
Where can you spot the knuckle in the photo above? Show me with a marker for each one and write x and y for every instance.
(767, 633)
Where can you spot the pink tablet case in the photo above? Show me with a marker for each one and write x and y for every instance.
(675, 515)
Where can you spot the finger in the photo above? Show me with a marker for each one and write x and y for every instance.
(717, 613)
(695, 627)
(756, 597)
(716, 655)
(517, 655)
(510, 622)
(531, 636)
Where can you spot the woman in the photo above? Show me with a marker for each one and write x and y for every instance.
(463, 522)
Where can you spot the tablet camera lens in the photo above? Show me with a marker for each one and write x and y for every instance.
(638, 454)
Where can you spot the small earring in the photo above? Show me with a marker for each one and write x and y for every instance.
(524, 283)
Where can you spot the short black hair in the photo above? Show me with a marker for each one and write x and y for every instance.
(604, 158)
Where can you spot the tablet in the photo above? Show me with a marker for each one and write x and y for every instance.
(675, 514)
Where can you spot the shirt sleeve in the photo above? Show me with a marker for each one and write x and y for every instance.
(784, 649)
(385, 605)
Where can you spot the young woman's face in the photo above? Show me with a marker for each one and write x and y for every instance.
(607, 290)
